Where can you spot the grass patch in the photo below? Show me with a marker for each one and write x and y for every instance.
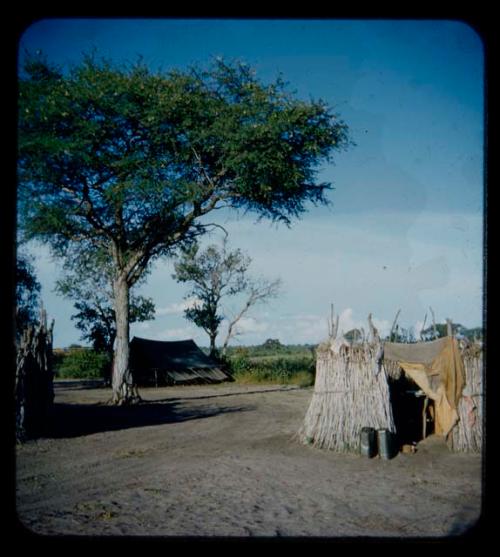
(276, 370)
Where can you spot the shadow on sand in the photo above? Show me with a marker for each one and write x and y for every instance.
(235, 393)
(78, 384)
(75, 420)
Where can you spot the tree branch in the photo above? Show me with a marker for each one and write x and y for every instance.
(394, 324)
(434, 323)
(423, 327)
(258, 293)
(215, 225)
(373, 331)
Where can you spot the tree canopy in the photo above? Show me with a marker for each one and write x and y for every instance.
(127, 161)
(124, 154)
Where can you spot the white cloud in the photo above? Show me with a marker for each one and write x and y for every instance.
(383, 326)
(377, 263)
(248, 325)
(180, 333)
(347, 322)
(419, 325)
(300, 328)
(313, 328)
(176, 308)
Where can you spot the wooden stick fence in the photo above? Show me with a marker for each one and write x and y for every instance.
(34, 380)
(467, 435)
(350, 393)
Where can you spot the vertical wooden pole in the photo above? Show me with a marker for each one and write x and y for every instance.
(434, 323)
(424, 425)
(393, 328)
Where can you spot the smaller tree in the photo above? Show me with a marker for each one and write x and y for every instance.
(272, 344)
(87, 282)
(82, 363)
(216, 274)
(354, 335)
(27, 294)
(257, 291)
(440, 330)
(95, 316)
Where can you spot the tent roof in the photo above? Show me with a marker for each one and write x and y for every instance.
(419, 352)
(173, 355)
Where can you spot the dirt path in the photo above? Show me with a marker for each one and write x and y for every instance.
(221, 461)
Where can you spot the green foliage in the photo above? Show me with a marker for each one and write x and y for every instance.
(457, 329)
(82, 363)
(403, 335)
(273, 362)
(291, 369)
(474, 333)
(27, 294)
(213, 274)
(88, 283)
(112, 152)
(264, 350)
(272, 344)
(128, 162)
(354, 335)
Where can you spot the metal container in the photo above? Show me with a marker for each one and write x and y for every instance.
(368, 442)
(386, 444)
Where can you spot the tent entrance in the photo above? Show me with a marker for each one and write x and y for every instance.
(413, 412)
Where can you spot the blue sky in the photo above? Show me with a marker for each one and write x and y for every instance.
(405, 229)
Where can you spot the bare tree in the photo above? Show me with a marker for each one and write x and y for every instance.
(257, 291)
(216, 274)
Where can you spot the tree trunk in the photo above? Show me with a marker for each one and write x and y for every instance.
(124, 390)
(213, 349)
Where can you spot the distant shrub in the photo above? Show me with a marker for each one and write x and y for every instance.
(82, 363)
(296, 370)
(272, 348)
(272, 344)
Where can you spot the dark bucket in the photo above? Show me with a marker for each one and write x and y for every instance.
(368, 443)
(386, 444)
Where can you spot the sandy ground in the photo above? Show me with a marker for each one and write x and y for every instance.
(221, 461)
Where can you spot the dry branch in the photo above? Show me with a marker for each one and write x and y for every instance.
(393, 328)
(434, 323)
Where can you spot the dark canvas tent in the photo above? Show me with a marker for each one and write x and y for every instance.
(155, 362)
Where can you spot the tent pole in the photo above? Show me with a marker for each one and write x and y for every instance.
(424, 432)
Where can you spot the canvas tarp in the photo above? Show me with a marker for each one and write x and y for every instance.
(437, 368)
(181, 361)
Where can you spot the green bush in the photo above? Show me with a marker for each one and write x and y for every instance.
(82, 363)
(297, 370)
(272, 349)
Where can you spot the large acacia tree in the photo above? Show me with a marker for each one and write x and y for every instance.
(129, 161)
